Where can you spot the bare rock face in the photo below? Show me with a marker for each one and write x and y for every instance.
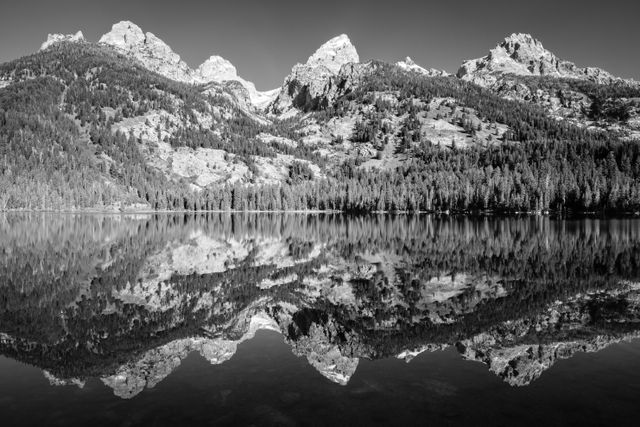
(512, 63)
(409, 65)
(124, 35)
(334, 54)
(308, 81)
(152, 52)
(521, 54)
(218, 69)
(157, 56)
(57, 38)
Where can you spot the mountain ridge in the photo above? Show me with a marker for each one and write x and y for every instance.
(510, 56)
(335, 124)
(522, 54)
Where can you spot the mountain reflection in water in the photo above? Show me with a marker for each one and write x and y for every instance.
(127, 298)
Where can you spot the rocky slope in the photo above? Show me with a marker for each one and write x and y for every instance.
(57, 38)
(335, 122)
(152, 52)
(409, 65)
(218, 69)
(520, 68)
(157, 56)
(521, 54)
(308, 81)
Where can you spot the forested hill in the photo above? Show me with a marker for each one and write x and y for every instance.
(84, 126)
(70, 119)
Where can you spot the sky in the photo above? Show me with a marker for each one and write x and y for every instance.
(265, 38)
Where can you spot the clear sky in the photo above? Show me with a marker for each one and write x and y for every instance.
(265, 38)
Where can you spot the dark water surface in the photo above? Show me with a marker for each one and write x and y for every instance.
(261, 319)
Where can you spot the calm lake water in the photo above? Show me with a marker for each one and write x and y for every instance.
(277, 319)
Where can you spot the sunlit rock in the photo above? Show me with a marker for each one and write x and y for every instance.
(57, 38)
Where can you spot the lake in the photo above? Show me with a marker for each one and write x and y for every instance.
(293, 319)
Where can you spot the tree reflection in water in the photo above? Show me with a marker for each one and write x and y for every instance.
(126, 298)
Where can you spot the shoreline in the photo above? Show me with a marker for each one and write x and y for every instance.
(91, 211)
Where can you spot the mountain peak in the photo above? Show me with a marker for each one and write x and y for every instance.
(125, 35)
(523, 48)
(150, 50)
(57, 38)
(309, 80)
(522, 38)
(341, 40)
(216, 68)
(334, 54)
(157, 56)
(129, 37)
(409, 61)
(410, 65)
(522, 54)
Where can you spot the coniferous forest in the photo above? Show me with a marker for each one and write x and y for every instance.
(58, 149)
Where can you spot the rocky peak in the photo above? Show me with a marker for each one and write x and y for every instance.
(522, 54)
(409, 65)
(151, 51)
(124, 35)
(308, 81)
(528, 52)
(157, 56)
(408, 61)
(334, 54)
(216, 68)
(522, 39)
(57, 38)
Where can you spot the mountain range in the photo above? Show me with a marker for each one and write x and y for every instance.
(124, 123)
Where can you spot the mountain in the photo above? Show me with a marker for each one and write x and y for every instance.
(57, 38)
(126, 124)
(409, 65)
(218, 69)
(152, 52)
(521, 54)
(157, 56)
(307, 81)
(520, 68)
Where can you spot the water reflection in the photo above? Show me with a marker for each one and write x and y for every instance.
(127, 298)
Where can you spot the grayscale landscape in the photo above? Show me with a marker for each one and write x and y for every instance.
(347, 213)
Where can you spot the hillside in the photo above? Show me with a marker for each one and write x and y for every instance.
(125, 124)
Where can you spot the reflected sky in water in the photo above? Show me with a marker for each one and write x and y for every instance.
(272, 319)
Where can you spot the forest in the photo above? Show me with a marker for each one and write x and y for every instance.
(58, 152)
